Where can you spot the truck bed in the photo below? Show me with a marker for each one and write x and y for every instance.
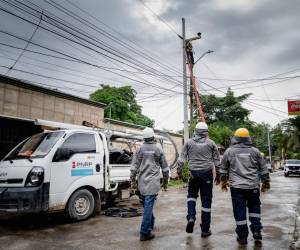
(119, 173)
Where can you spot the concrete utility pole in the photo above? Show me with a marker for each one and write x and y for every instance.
(269, 143)
(185, 106)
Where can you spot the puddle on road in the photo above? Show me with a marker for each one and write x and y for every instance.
(273, 232)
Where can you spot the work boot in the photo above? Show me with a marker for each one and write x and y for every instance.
(149, 236)
(257, 235)
(242, 241)
(205, 234)
(190, 226)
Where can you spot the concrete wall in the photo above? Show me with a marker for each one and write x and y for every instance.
(30, 104)
(26, 103)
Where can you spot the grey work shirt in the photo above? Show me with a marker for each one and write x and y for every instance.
(201, 153)
(245, 165)
(147, 162)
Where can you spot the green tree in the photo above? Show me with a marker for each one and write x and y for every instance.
(224, 115)
(259, 134)
(122, 104)
(226, 111)
(286, 138)
(220, 134)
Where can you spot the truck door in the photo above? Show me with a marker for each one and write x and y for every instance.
(79, 157)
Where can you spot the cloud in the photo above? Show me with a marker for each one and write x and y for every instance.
(250, 38)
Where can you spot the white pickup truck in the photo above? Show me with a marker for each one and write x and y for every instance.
(66, 169)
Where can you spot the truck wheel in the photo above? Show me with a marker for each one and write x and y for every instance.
(286, 174)
(81, 205)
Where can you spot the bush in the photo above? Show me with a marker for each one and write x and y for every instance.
(185, 173)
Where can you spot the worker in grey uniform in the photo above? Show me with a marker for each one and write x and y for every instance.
(147, 163)
(243, 168)
(202, 154)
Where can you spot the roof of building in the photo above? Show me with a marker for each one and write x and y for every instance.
(32, 86)
(132, 125)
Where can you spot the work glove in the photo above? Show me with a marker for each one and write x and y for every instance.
(133, 187)
(224, 186)
(179, 173)
(165, 184)
(265, 186)
(217, 179)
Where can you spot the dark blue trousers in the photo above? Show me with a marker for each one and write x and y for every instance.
(204, 183)
(241, 200)
(148, 217)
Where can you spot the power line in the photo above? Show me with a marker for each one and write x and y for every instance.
(54, 32)
(26, 46)
(160, 18)
(266, 110)
(52, 78)
(264, 79)
(247, 101)
(67, 11)
(51, 86)
(72, 74)
(67, 59)
(61, 66)
(122, 43)
(246, 80)
(266, 84)
(91, 64)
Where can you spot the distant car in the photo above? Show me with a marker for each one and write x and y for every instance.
(291, 167)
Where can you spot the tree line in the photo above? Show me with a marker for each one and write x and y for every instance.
(223, 115)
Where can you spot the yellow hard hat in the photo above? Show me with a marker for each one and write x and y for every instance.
(262, 154)
(242, 132)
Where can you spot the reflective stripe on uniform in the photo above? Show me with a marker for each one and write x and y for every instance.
(254, 215)
(241, 222)
(191, 199)
(204, 209)
(165, 169)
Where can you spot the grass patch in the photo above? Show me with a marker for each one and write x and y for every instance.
(176, 183)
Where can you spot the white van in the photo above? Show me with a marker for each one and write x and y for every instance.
(61, 170)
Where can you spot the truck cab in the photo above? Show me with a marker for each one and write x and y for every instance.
(59, 170)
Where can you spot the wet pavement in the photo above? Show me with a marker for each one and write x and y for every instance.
(279, 208)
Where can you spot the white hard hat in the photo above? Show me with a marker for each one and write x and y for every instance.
(201, 126)
(148, 133)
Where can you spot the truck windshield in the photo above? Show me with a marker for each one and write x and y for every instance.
(37, 146)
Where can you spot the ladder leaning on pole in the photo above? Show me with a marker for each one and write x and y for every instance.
(196, 92)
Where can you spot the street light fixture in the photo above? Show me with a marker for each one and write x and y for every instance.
(204, 54)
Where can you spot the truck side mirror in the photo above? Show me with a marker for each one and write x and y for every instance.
(62, 154)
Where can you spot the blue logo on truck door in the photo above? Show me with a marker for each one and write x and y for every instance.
(81, 168)
(82, 172)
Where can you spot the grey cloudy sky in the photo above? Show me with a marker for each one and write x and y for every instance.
(251, 39)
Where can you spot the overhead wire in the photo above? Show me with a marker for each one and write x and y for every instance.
(137, 47)
(245, 101)
(75, 41)
(91, 64)
(160, 18)
(62, 67)
(26, 46)
(64, 10)
(258, 106)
